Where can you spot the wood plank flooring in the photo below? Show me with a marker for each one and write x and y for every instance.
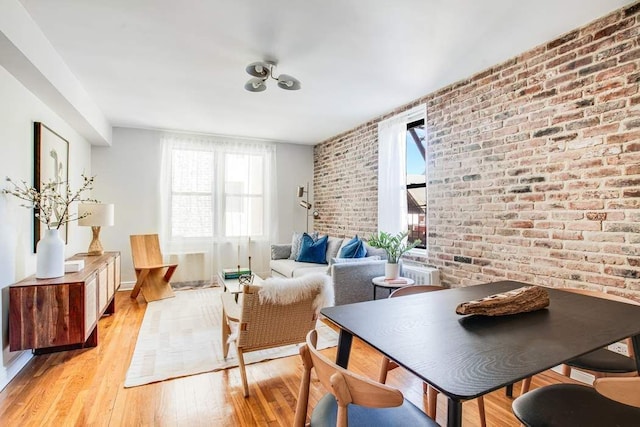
(85, 388)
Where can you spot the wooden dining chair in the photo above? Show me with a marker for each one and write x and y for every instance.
(602, 362)
(610, 402)
(352, 399)
(432, 393)
(153, 276)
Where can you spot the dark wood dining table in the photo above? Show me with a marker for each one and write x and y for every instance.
(468, 356)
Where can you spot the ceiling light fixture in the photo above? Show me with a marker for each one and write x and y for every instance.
(261, 71)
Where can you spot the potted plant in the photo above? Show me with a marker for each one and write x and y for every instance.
(395, 247)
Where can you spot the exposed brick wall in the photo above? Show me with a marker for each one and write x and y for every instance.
(534, 166)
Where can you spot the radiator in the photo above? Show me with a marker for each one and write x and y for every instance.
(421, 274)
(192, 267)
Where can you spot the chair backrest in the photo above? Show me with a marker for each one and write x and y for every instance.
(415, 289)
(346, 386)
(611, 297)
(266, 324)
(623, 390)
(145, 250)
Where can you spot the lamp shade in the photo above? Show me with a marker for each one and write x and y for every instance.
(259, 69)
(99, 214)
(305, 204)
(287, 82)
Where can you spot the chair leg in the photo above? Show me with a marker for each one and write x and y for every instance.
(243, 372)
(141, 275)
(526, 385)
(483, 420)
(566, 370)
(432, 401)
(226, 332)
(303, 393)
(384, 368)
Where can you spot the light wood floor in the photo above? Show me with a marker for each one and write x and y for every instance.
(85, 387)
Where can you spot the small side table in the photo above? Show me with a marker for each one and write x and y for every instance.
(380, 282)
(233, 286)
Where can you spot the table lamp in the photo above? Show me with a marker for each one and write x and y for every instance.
(99, 215)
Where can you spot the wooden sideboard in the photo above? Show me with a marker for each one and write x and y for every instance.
(61, 314)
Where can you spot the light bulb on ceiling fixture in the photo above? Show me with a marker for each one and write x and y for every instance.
(255, 85)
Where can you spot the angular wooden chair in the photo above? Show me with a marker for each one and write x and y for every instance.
(352, 399)
(610, 402)
(432, 393)
(602, 362)
(275, 313)
(152, 274)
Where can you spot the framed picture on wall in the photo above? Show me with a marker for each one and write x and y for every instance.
(51, 153)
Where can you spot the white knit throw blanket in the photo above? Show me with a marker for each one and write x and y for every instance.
(287, 291)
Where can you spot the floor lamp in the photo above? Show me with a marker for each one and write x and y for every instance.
(305, 203)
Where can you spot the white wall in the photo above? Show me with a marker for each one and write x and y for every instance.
(128, 175)
(295, 168)
(19, 108)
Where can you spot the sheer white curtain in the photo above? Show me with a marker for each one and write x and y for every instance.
(217, 203)
(392, 170)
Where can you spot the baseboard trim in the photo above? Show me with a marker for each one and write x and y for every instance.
(7, 373)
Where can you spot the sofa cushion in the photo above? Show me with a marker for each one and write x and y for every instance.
(354, 248)
(314, 251)
(296, 240)
(291, 268)
(333, 246)
(309, 269)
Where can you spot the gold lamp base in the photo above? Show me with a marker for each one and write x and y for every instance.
(95, 248)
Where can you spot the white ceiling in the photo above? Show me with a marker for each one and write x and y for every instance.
(180, 65)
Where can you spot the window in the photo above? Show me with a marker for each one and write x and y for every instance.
(402, 175)
(217, 191)
(191, 193)
(416, 182)
(243, 195)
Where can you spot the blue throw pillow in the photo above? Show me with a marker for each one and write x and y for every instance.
(354, 248)
(313, 251)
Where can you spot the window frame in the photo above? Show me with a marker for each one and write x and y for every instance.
(422, 248)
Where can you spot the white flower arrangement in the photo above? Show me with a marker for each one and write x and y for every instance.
(52, 201)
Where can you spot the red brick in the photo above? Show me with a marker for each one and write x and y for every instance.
(601, 130)
(623, 137)
(560, 60)
(592, 204)
(617, 94)
(615, 72)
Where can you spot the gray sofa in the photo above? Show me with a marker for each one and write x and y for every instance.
(351, 278)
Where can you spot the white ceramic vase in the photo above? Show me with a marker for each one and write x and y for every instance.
(50, 255)
(391, 270)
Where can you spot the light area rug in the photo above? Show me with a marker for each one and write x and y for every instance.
(181, 336)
